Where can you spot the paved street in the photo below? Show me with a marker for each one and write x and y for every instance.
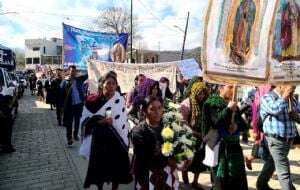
(43, 161)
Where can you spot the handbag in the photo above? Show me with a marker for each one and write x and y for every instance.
(260, 150)
(212, 138)
(256, 151)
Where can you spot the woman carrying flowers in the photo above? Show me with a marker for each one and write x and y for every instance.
(191, 110)
(152, 169)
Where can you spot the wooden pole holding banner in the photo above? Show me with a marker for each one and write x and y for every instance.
(234, 98)
(184, 37)
(131, 10)
(290, 108)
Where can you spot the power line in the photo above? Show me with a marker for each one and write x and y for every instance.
(156, 17)
(49, 14)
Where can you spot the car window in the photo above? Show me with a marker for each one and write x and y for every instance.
(1, 78)
(7, 78)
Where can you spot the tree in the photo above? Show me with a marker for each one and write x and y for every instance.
(117, 20)
(20, 57)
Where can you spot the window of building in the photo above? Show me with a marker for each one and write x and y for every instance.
(36, 48)
(59, 60)
(46, 60)
(153, 60)
(55, 60)
(44, 50)
(36, 60)
(59, 50)
(28, 60)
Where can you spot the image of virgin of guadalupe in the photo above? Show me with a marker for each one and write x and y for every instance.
(244, 19)
(287, 33)
(118, 53)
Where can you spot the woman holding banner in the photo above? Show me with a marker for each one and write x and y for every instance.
(222, 124)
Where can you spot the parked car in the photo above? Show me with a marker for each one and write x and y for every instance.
(9, 90)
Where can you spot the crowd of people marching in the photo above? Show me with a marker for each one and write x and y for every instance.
(109, 122)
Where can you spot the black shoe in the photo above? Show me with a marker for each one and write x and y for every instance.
(70, 142)
(265, 188)
(76, 138)
(9, 149)
(197, 186)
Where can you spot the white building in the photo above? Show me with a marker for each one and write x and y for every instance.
(43, 52)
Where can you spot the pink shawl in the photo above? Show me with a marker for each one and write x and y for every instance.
(260, 92)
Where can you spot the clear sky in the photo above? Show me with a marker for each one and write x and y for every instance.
(156, 20)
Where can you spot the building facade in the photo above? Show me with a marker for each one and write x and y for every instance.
(7, 58)
(143, 56)
(43, 52)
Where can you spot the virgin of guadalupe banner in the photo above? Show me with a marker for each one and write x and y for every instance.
(235, 41)
(284, 42)
(81, 45)
(126, 73)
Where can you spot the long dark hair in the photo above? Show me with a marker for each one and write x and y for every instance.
(148, 100)
(155, 84)
(102, 80)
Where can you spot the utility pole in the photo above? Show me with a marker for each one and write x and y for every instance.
(131, 10)
(185, 31)
(158, 57)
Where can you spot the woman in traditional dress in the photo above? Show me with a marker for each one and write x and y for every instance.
(135, 96)
(149, 87)
(105, 141)
(154, 89)
(191, 110)
(40, 92)
(222, 124)
(164, 85)
(152, 170)
(187, 91)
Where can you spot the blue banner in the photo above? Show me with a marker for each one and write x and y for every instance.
(81, 45)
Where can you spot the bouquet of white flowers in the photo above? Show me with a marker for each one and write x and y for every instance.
(179, 142)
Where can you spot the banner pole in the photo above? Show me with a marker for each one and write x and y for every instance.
(131, 10)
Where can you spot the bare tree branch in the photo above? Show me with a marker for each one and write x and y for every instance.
(116, 20)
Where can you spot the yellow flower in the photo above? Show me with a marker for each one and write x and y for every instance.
(167, 133)
(167, 149)
(189, 154)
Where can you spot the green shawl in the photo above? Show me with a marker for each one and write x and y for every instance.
(216, 115)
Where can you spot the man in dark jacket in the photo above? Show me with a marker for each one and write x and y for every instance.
(58, 95)
(73, 94)
(6, 124)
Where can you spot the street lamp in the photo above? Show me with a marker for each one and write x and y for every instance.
(184, 37)
(6, 13)
(175, 26)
